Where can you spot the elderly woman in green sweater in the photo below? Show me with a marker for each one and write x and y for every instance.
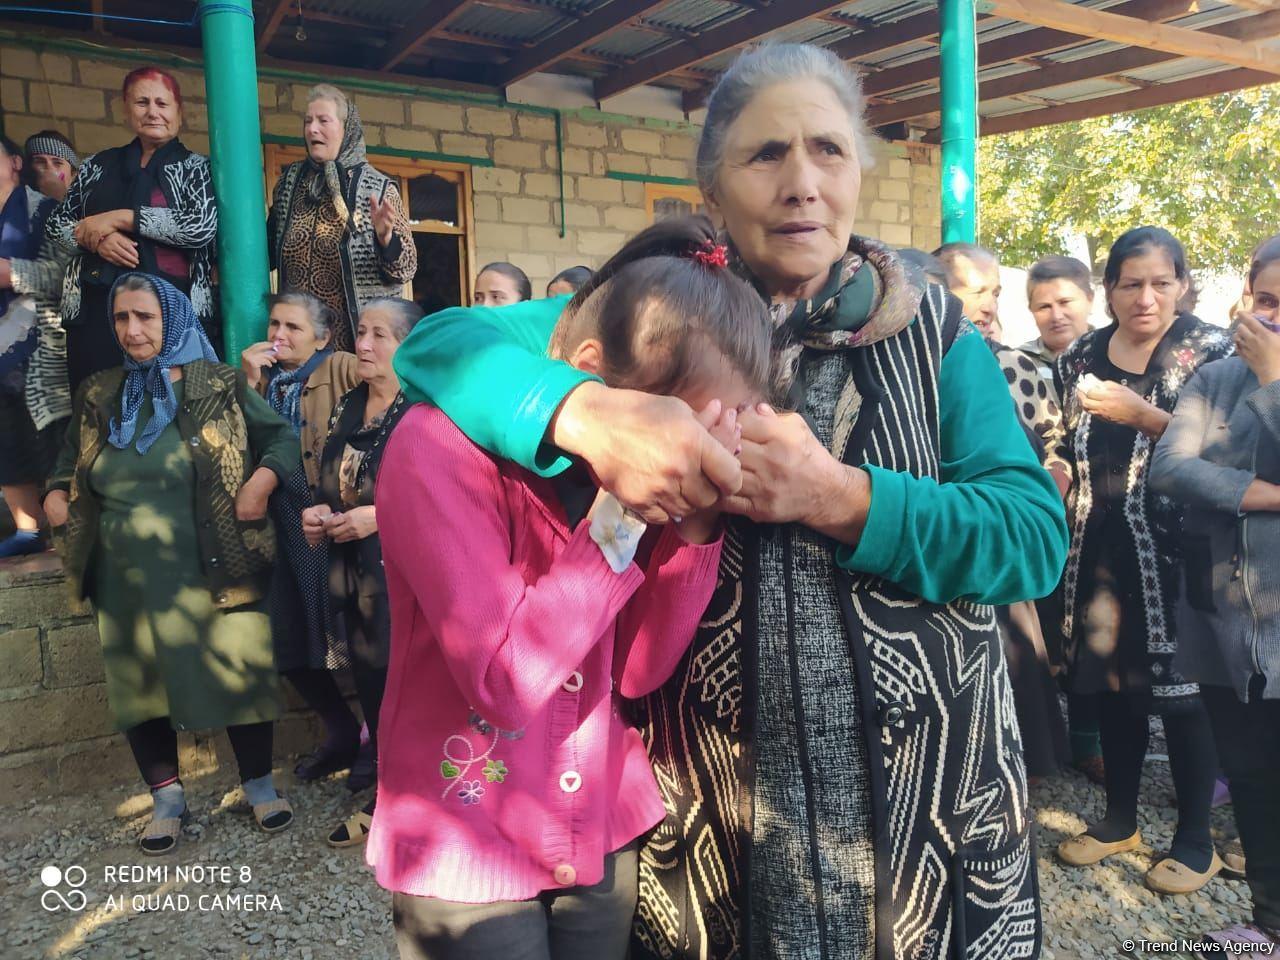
(838, 754)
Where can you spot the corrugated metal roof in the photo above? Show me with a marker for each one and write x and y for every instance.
(354, 33)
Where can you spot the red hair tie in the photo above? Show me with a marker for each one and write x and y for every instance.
(712, 254)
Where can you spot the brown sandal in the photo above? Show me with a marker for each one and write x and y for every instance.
(162, 836)
(269, 816)
(1174, 878)
(353, 831)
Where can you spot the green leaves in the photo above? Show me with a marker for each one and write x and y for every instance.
(1208, 170)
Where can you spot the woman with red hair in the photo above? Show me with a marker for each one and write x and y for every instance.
(147, 206)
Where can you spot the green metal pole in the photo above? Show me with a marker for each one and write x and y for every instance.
(231, 85)
(959, 54)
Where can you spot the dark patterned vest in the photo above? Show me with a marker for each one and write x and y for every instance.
(955, 872)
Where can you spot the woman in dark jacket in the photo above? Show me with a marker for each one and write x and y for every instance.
(345, 518)
(145, 206)
(1118, 386)
(1220, 458)
(161, 497)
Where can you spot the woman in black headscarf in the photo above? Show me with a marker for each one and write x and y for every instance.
(338, 228)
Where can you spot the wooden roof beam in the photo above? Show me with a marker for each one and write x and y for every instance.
(574, 37)
(1075, 71)
(1157, 96)
(427, 23)
(735, 33)
(272, 23)
(1104, 25)
(1029, 43)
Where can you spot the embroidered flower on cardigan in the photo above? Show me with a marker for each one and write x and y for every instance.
(495, 771)
(471, 792)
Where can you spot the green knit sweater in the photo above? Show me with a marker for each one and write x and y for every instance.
(992, 531)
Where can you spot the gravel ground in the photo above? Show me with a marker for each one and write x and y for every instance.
(329, 906)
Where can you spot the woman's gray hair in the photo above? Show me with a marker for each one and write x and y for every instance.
(404, 314)
(318, 312)
(133, 283)
(762, 67)
(327, 91)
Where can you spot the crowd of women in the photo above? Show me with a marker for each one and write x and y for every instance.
(716, 605)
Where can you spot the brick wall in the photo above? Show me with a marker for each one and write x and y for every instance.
(516, 201)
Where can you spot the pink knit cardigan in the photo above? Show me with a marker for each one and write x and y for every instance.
(504, 765)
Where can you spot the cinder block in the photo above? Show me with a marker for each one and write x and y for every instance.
(486, 207)
(581, 215)
(20, 661)
(404, 138)
(13, 96)
(679, 146)
(584, 135)
(464, 146)
(576, 160)
(600, 242)
(374, 109)
(883, 212)
(600, 190)
(548, 239)
(75, 655)
(533, 126)
(436, 116)
(642, 141)
(55, 717)
(630, 219)
(546, 185)
(895, 234)
(525, 210)
(517, 154)
(671, 168)
(496, 123)
(898, 190)
(19, 62)
(495, 180)
(627, 163)
(107, 76)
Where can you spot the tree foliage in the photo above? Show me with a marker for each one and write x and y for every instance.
(1207, 170)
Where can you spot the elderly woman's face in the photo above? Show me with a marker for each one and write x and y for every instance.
(787, 188)
(139, 323)
(322, 130)
(154, 114)
(1266, 294)
(376, 344)
(294, 337)
(1144, 299)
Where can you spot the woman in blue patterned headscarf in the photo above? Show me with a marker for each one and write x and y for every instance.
(159, 504)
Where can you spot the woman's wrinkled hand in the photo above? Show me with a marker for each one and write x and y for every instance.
(1259, 348)
(649, 451)
(255, 358)
(56, 507)
(702, 526)
(91, 231)
(251, 501)
(1113, 401)
(313, 520)
(119, 249)
(355, 524)
(788, 476)
(383, 215)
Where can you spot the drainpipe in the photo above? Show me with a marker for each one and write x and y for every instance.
(959, 56)
(231, 85)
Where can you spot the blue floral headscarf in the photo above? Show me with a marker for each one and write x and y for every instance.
(184, 341)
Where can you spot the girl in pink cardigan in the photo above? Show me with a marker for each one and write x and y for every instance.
(511, 789)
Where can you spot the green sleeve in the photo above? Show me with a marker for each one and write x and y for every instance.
(487, 369)
(272, 441)
(993, 530)
(65, 467)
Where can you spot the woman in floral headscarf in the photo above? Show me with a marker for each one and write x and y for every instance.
(159, 508)
(337, 226)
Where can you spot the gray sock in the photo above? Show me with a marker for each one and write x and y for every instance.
(260, 790)
(169, 800)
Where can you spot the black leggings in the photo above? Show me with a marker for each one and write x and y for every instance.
(1193, 762)
(320, 691)
(155, 748)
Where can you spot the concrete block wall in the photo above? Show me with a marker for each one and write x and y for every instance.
(516, 201)
(57, 734)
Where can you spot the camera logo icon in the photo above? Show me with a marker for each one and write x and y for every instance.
(53, 899)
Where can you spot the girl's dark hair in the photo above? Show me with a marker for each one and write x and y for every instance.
(653, 294)
(1264, 254)
(1141, 240)
(1047, 269)
(512, 273)
(574, 276)
(10, 148)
